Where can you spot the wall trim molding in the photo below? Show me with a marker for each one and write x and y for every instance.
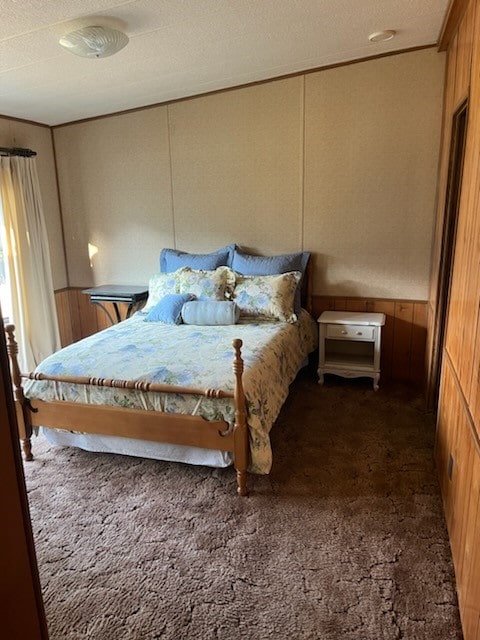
(294, 74)
(60, 208)
(451, 22)
(24, 121)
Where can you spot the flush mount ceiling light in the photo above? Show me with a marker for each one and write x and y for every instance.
(94, 42)
(382, 36)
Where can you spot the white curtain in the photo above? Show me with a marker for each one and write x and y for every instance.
(33, 301)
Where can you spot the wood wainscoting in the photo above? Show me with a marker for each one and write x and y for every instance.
(403, 337)
(77, 318)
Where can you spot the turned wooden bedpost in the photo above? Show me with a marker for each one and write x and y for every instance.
(23, 413)
(240, 432)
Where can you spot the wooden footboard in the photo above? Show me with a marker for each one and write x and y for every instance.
(154, 426)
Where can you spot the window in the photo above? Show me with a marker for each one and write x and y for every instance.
(5, 291)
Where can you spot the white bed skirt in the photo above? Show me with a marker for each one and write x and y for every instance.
(139, 448)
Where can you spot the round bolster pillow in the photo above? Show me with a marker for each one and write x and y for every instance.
(210, 312)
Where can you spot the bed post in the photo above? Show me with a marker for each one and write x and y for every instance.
(23, 412)
(240, 432)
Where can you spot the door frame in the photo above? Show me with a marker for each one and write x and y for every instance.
(23, 613)
(447, 252)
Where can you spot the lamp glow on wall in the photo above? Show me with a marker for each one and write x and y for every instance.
(94, 42)
(92, 251)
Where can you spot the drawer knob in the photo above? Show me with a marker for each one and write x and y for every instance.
(359, 333)
(344, 333)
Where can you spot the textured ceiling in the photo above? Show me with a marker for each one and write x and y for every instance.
(182, 48)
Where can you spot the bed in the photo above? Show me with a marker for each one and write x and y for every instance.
(184, 392)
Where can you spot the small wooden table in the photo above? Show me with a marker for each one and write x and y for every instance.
(115, 294)
(349, 344)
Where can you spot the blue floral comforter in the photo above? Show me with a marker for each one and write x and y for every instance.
(187, 355)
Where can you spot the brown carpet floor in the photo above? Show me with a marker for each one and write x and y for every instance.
(344, 540)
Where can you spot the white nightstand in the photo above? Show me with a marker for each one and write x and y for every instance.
(350, 344)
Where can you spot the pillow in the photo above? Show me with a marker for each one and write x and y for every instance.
(169, 309)
(250, 265)
(210, 312)
(270, 296)
(159, 286)
(171, 259)
(206, 285)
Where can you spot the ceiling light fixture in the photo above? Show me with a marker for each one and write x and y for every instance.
(94, 42)
(382, 36)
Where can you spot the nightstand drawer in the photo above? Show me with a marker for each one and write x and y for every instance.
(350, 332)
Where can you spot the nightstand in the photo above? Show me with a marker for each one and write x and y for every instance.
(349, 344)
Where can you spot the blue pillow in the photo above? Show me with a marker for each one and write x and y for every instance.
(210, 312)
(171, 259)
(250, 265)
(169, 309)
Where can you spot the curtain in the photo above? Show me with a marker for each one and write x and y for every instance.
(28, 258)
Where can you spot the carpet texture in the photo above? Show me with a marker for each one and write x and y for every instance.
(344, 540)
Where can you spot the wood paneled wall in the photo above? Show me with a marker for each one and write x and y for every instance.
(403, 337)
(78, 318)
(458, 422)
(457, 455)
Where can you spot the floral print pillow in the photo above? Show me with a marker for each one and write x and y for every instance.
(268, 296)
(206, 285)
(159, 285)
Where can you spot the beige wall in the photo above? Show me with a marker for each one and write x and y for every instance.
(14, 133)
(237, 170)
(115, 189)
(371, 157)
(340, 162)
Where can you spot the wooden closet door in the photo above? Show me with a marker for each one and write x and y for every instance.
(21, 603)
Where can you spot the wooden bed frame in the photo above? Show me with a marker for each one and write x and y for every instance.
(155, 426)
